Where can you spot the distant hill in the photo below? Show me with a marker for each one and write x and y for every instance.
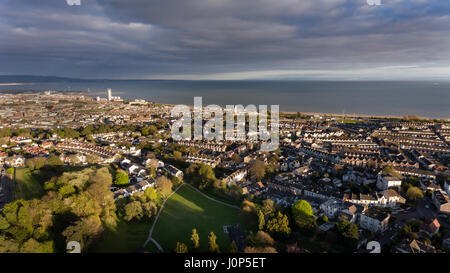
(29, 79)
(35, 79)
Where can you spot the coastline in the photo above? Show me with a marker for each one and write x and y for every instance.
(14, 84)
(362, 115)
(387, 116)
(290, 112)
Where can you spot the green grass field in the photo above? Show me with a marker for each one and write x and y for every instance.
(125, 238)
(151, 248)
(185, 210)
(349, 121)
(26, 186)
(188, 209)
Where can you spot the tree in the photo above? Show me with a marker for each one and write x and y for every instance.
(30, 163)
(74, 160)
(195, 239)
(10, 171)
(413, 181)
(4, 224)
(263, 239)
(207, 176)
(213, 246)
(151, 193)
(92, 159)
(268, 207)
(8, 245)
(87, 130)
(84, 231)
(54, 161)
(149, 208)
(39, 162)
(152, 172)
(348, 233)
(249, 214)
(268, 249)
(236, 158)
(133, 210)
(257, 170)
(306, 222)
(177, 155)
(144, 131)
(261, 220)
(413, 193)
(181, 248)
(33, 246)
(77, 207)
(301, 207)
(66, 190)
(352, 232)
(152, 162)
(150, 130)
(279, 225)
(233, 247)
(5, 132)
(121, 178)
(164, 186)
(176, 181)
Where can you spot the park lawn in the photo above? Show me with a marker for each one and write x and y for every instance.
(151, 248)
(220, 198)
(348, 121)
(124, 238)
(188, 209)
(26, 186)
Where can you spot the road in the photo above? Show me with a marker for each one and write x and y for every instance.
(431, 212)
(424, 212)
(421, 211)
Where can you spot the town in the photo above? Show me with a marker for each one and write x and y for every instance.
(334, 184)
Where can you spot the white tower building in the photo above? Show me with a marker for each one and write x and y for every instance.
(109, 94)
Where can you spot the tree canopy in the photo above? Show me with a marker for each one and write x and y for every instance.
(413, 193)
(181, 248)
(121, 178)
(195, 238)
(301, 207)
(257, 170)
(164, 186)
(200, 175)
(213, 246)
(279, 225)
(76, 207)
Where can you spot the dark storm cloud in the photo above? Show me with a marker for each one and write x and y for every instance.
(226, 38)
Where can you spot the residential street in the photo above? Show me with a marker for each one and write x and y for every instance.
(421, 211)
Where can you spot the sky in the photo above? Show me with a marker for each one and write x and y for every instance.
(227, 39)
